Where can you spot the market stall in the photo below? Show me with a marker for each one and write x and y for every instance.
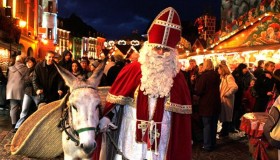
(257, 40)
(250, 37)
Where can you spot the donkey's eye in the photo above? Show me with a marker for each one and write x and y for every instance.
(74, 107)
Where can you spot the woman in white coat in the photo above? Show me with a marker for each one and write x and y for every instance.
(228, 87)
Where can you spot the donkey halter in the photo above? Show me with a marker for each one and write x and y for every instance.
(66, 125)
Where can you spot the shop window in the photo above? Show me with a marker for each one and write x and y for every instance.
(8, 11)
(50, 6)
(50, 33)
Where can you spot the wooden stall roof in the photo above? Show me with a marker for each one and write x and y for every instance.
(261, 34)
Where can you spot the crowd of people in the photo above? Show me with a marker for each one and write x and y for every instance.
(30, 83)
(219, 95)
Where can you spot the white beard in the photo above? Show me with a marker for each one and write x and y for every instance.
(158, 71)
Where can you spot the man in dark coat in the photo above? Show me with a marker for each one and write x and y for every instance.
(191, 74)
(265, 87)
(242, 77)
(47, 82)
(114, 70)
(260, 69)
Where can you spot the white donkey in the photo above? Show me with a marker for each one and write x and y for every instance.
(81, 115)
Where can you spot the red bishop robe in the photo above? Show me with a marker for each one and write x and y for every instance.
(125, 91)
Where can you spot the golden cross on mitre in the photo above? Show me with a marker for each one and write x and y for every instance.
(168, 25)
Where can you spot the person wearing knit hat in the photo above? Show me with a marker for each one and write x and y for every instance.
(154, 98)
(85, 66)
(93, 65)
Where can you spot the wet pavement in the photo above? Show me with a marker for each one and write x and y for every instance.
(227, 148)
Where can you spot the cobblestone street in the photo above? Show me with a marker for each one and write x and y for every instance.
(227, 149)
(6, 136)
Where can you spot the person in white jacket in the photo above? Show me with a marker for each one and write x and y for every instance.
(228, 87)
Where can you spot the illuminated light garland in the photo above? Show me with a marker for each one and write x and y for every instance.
(121, 42)
(135, 43)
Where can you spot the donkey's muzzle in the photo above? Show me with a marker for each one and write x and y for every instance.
(89, 148)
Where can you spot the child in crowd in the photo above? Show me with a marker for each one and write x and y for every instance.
(249, 97)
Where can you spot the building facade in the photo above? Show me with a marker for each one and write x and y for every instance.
(18, 30)
(63, 41)
(76, 47)
(47, 26)
(206, 25)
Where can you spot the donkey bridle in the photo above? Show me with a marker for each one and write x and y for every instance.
(65, 125)
(73, 134)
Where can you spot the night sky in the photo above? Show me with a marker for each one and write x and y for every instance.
(115, 18)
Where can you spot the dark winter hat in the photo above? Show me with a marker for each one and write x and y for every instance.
(241, 66)
(56, 55)
(85, 59)
(95, 63)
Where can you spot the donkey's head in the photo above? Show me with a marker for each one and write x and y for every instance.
(83, 107)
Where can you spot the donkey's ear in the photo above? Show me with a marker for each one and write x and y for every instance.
(95, 78)
(65, 74)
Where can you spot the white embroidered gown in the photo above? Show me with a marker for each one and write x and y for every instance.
(127, 138)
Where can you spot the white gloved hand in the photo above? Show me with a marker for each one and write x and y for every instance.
(105, 124)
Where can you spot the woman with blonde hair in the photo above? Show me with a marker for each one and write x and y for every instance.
(228, 87)
(209, 107)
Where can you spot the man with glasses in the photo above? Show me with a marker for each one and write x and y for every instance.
(265, 87)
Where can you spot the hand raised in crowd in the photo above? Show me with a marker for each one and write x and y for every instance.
(269, 93)
(193, 77)
(60, 92)
(268, 75)
(39, 91)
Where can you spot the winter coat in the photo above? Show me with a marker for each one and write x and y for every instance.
(47, 78)
(113, 72)
(66, 64)
(264, 84)
(207, 88)
(15, 85)
(28, 83)
(228, 87)
(3, 83)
